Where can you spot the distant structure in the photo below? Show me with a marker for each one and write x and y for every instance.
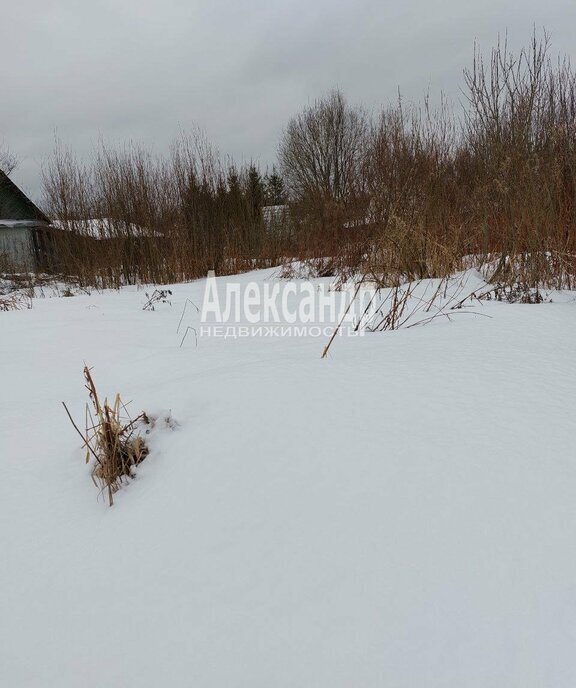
(24, 230)
(276, 218)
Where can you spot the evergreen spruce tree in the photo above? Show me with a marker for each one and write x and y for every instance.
(275, 191)
(255, 191)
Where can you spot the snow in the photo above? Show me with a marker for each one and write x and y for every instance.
(400, 514)
(105, 228)
(20, 223)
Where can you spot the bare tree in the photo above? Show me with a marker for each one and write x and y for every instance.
(322, 149)
(8, 160)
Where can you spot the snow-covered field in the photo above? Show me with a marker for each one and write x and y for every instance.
(401, 514)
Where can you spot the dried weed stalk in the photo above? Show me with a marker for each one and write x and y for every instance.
(158, 296)
(111, 438)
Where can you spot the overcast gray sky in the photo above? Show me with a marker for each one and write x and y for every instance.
(143, 69)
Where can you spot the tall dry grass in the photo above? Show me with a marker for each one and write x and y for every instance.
(111, 440)
(498, 184)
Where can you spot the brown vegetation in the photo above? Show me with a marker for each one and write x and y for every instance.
(111, 440)
(130, 217)
(418, 192)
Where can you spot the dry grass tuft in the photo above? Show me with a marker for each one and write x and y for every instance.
(157, 297)
(15, 302)
(112, 439)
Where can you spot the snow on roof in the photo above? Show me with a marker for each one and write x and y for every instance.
(274, 215)
(20, 223)
(274, 210)
(105, 228)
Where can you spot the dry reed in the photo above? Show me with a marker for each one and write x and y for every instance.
(111, 438)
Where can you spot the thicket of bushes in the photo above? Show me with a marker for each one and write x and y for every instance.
(413, 192)
(161, 219)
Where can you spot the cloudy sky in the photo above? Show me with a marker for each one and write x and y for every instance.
(144, 69)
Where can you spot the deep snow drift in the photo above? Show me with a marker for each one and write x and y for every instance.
(401, 514)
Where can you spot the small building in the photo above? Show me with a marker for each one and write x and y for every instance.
(24, 230)
(276, 219)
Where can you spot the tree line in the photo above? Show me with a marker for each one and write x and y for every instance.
(408, 192)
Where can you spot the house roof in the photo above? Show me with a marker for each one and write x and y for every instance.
(105, 228)
(15, 205)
